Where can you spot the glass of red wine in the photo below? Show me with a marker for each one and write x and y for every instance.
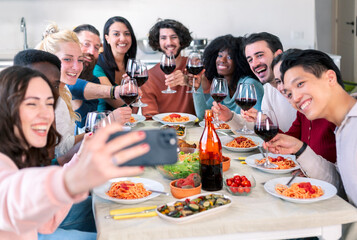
(218, 91)
(128, 92)
(141, 76)
(194, 66)
(266, 127)
(246, 98)
(168, 65)
(93, 121)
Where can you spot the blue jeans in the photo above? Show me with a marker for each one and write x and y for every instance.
(78, 224)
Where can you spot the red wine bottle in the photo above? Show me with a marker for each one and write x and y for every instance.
(210, 149)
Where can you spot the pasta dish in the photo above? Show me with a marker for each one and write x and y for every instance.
(303, 190)
(283, 163)
(175, 118)
(127, 190)
(222, 126)
(132, 119)
(241, 142)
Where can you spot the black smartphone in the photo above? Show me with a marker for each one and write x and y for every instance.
(163, 147)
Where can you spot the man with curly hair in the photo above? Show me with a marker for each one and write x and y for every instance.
(170, 37)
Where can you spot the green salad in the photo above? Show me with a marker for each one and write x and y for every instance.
(187, 163)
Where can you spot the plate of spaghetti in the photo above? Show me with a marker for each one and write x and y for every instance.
(135, 118)
(286, 163)
(174, 118)
(223, 127)
(241, 143)
(128, 190)
(301, 190)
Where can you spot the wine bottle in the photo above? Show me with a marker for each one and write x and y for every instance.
(210, 149)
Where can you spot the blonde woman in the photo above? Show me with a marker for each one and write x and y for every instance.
(65, 45)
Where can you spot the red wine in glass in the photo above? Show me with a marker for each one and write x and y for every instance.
(129, 98)
(218, 97)
(141, 80)
(194, 69)
(266, 133)
(168, 69)
(245, 103)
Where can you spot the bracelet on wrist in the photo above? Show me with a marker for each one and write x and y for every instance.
(301, 150)
(112, 92)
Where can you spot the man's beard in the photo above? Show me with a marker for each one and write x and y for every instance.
(87, 72)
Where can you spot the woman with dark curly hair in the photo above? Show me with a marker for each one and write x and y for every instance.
(170, 37)
(223, 57)
(119, 44)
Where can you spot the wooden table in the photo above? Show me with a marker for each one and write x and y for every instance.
(257, 216)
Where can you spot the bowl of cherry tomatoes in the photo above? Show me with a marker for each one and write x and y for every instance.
(239, 184)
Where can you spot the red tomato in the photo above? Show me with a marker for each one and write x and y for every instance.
(234, 184)
(233, 189)
(237, 177)
(229, 182)
(174, 115)
(247, 190)
(243, 178)
(246, 183)
(240, 190)
(237, 181)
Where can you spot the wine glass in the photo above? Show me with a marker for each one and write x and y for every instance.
(141, 76)
(194, 66)
(266, 127)
(128, 92)
(218, 91)
(168, 65)
(246, 98)
(93, 121)
(129, 67)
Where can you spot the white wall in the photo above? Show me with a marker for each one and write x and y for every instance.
(293, 21)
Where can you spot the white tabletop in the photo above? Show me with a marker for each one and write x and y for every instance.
(257, 216)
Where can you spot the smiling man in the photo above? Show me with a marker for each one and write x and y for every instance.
(260, 49)
(170, 37)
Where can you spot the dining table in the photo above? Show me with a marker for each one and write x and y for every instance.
(258, 215)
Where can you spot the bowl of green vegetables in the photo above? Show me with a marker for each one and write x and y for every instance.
(188, 162)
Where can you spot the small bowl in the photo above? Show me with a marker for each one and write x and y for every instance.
(239, 191)
(184, 192)
(226, 164)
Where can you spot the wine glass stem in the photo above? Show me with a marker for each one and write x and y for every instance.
(193, 85)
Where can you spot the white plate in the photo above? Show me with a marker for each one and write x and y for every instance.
(196, 215)
(226, 139)
(329, 189)
(158, 118)
(138, 118)
(202, 124)
(184, 132)
(148, 184)
(251, 162)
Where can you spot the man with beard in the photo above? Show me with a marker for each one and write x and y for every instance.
(170, 37)
(260, 49)
(87, 90)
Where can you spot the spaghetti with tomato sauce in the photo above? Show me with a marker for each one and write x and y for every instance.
(127, 190)
(281, 162)
(303, 190)
(174, 117)
(241, 142)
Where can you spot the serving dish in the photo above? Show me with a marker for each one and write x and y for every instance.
(250, 160)
(202, 124)
(226, 139)
(158, 118)
(329, 189)
(211, 211)
(239, 191)
(149, 184)
(180, 129)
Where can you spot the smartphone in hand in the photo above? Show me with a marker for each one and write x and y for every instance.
(163, 147)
